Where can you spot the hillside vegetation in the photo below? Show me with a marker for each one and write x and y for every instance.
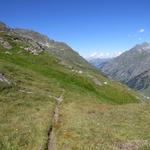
(95, 113)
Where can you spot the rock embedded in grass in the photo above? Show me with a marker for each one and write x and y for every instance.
(4, 83)
(5, 44)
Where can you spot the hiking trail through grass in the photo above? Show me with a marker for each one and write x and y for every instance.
(55, 119)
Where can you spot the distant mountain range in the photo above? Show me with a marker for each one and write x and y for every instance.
(98, 62)
(131, 67)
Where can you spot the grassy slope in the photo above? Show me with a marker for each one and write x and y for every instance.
(26, 117)
(93, 126)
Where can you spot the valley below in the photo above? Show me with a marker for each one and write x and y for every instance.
(132, 68)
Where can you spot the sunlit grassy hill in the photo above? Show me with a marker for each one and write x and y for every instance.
(33, 71)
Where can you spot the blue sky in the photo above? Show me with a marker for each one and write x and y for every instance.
(101, 27)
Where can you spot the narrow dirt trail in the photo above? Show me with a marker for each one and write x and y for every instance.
(51, 134)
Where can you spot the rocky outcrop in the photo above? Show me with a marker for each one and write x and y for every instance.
(35, 43)
(95, 80)
(5, 44)
(4, 82)
(31, 36)
(3, 27)
(3, 79)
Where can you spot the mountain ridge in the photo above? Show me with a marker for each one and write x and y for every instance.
(41, 42)
(129, 65)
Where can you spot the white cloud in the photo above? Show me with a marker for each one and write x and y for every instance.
(137, 35)
(93, 54)
(141, 30)
(118, 53)
(105, 54)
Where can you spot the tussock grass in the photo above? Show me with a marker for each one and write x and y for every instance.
(26, 108)
(91, 126)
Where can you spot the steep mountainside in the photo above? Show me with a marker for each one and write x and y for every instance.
(131, 67)
(51, 97)
(36, 43)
